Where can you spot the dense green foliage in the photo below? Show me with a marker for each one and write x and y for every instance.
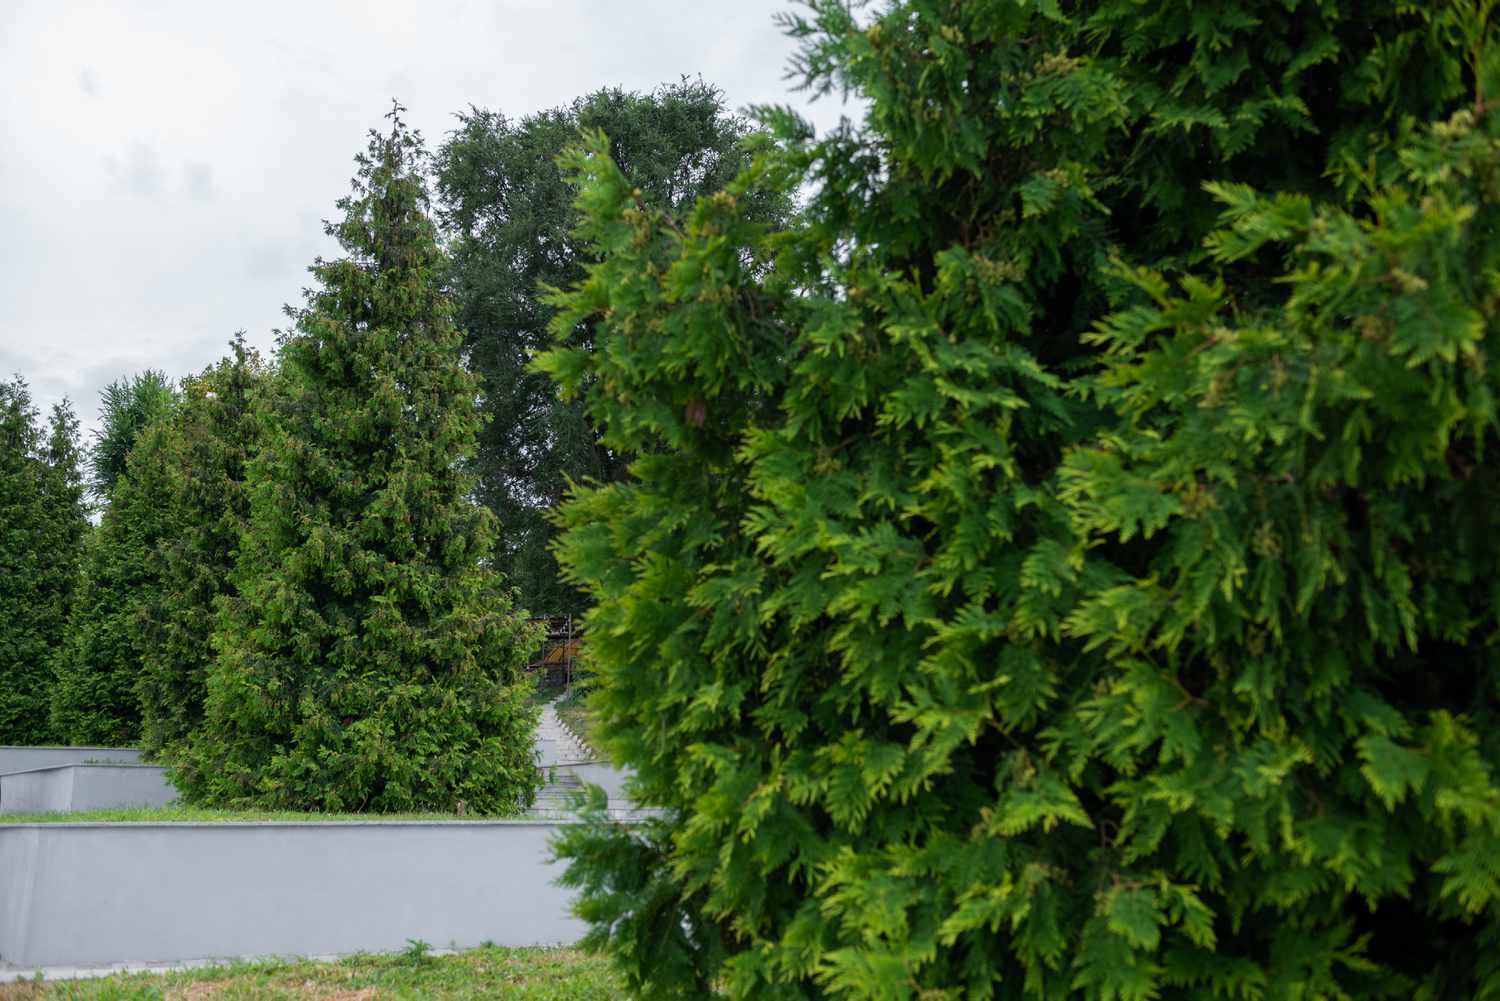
(367, 659)
(127, 407)
(200, 454)
(98, 666)
(1070, 570)
(509, 212)
(43, 520)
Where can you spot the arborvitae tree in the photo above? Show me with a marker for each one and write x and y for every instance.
(127, 407)
(42, 523)
(201, 455)
(370, 660)
(509, 212)
(1071, 570)
(99, 666)
(23, 651)
(65, 491)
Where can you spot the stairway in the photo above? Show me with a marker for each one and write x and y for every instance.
(567, 764)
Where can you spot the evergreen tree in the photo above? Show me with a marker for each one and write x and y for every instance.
(99, 666)
(369, 661)
(201, 456)
(508, 209)
(1070, 570)
(127, 407)
(42, 524)
(65, 490)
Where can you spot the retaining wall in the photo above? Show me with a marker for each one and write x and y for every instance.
(20, 759)
(75, 788)
(100, 894)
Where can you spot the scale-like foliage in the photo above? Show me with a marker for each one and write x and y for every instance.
(98, 665)
(368, 660)
(201, 455)
(1064, 564)
(127, 408)
(43, 520)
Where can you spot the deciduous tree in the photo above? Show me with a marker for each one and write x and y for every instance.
(509, 212)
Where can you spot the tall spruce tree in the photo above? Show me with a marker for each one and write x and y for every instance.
(1071, 569)
(201, 455)
(508, 211)
(370, 660)
(43, 520)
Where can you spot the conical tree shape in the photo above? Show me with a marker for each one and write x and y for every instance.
(201, 456)
(96, 671)
(370, 661)
(43, 521)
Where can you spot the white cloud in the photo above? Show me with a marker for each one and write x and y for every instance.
(200, 181)
(226, 133)
(137, 172)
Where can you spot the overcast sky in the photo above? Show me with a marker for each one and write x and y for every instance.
(165, 164)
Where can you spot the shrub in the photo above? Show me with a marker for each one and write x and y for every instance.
(1062, 563)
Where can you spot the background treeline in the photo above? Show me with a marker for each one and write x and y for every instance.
(237, 588)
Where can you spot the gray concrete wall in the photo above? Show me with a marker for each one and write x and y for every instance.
(17, 877)
(76, 788)
(97, 894)
(20, 759)
(40, 790)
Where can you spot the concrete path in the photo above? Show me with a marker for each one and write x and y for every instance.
(568, 764)
(555, 743)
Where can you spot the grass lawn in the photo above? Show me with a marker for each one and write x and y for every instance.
(199, 815)
(486, 972)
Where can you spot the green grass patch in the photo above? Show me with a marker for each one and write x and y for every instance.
(486, 972)
(199, 815)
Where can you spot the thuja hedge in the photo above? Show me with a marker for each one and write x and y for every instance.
(43, 525)
(1062, 562)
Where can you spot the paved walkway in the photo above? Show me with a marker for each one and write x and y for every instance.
(555, 744)
(568, 764)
